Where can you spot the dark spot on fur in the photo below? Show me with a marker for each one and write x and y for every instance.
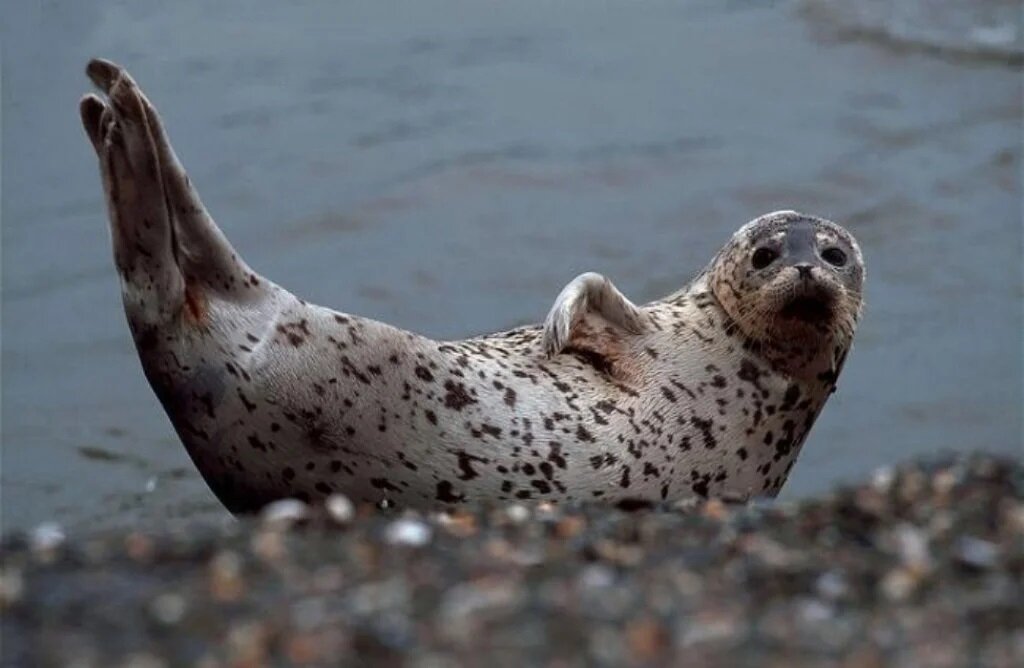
(249, 406)
(710, 442)
(790, 398)
(445, 493)
(456, 396)
(385, 484)
(465, 462)
(541, 486)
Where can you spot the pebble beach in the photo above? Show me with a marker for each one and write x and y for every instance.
(920, 565)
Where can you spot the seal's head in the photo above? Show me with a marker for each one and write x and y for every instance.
(791, 281)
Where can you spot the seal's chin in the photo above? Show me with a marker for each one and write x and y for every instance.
(810, 309)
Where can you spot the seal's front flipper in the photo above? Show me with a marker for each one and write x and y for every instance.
(588, 293)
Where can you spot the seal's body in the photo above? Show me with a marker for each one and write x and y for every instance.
(709, 392)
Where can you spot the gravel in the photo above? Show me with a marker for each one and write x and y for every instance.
(919, 566)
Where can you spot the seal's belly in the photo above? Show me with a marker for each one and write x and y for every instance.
(376, 414)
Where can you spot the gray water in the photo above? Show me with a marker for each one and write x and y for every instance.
(447, 166)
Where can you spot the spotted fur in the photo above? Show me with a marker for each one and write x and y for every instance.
(709, 392)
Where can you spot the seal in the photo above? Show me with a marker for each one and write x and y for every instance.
(708, 392)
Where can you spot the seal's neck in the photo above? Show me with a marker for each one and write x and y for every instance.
(817, 362)
(819, 365)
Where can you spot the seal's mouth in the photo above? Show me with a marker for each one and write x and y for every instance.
(808, 308)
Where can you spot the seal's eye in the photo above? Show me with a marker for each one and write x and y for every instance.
(834, 256)
(763, 257)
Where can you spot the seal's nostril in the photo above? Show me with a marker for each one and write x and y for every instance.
(804, 269)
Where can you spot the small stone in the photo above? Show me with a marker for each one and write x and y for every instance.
(151, 485)
(687, 505)
(461, 524)
(647, 639)
(471, 599)
(269, 545)
(813, 611)
(546, 510)
(226, 576)
(408, 531)
(12, 585)
(247, 644)
(977, 553)
(340, 509)
(912, 546)
(1015, 517)
(304, 649)
(309, 613)
(143, 660)
(832, 585)
(518, 513)
(708, 628)
(47, 536)
(138, 546)
(168, 609)
(899, 584)
(284, 512)
(596, 576)
(944, 482)
(623, 554)
(882, 477)
(715, 509)
(570, 526)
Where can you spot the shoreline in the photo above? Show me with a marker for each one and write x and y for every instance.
(923, 564)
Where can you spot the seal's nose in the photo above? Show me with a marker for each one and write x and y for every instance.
(804, 270)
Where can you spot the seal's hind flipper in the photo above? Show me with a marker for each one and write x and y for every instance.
(140, 224)
(158, 221)
(588, 293)
(208, 254)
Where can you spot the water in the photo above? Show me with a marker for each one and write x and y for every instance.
(447, 166)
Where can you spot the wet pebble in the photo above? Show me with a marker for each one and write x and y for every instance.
(408, 531)
(47, 536)
(340, 509)
(284, 512)
(977, 553)
(168, 608)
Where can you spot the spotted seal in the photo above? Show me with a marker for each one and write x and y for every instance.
(708, 392)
